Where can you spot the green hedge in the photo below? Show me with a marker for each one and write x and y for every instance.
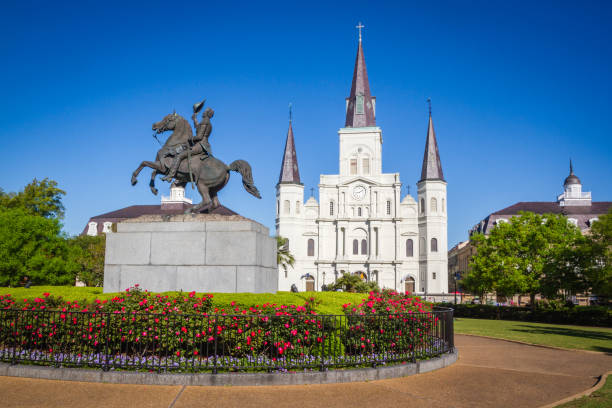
(600, 316)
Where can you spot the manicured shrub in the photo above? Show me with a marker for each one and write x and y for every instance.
(578, 315)
(388, 322)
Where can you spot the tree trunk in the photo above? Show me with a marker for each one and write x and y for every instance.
(532, 298)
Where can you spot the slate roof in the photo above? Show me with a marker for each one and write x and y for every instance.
(289, 168)
(583, 214)
(360, 87)
(135, 211)
(541, 207)
(432, 166)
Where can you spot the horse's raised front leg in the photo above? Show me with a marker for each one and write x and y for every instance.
(153, 165)
(152, 182)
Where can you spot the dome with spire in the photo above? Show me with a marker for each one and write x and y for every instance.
(572, 178)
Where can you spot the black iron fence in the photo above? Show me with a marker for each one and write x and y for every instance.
(213, 343)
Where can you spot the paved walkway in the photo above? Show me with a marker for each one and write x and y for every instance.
(489, 373)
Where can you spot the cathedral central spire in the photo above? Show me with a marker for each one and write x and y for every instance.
(360, 108)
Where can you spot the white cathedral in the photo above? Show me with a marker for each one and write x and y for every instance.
(361, 224)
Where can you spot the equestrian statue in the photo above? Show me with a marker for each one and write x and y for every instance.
(187, 158)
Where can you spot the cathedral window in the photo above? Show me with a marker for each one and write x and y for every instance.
(359, 104)
(364, 247)
(443, 207)
(353, 166)
(376, 237)
(107, 227)
(297, 207)
(409, 248)
(277, 207)
(434, 205)
(434, 245)
(359, 211)
(422, 206)
(331, 208)
(287, 206)
(311, 247)
(388, 207)
(433, 275)
(355, 247)
(366, 166)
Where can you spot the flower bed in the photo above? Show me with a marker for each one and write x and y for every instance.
(140, 330)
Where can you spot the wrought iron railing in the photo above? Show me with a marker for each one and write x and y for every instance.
(213, 343)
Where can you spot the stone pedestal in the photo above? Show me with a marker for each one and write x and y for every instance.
(203, 252)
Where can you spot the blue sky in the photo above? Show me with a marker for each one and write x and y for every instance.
(517, 88)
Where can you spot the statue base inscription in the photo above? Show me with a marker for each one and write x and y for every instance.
(201, 252)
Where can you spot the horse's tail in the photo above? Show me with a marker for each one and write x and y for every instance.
(244, 168)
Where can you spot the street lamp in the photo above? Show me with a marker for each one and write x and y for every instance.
(457, 277)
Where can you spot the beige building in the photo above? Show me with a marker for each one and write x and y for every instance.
(573, 203)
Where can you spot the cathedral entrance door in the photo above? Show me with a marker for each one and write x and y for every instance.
(310, 284)
(409, 286)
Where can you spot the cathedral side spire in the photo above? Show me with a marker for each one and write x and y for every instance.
(289, 173)
(432, 166)
(360, 109)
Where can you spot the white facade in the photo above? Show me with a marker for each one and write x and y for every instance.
(363, 225)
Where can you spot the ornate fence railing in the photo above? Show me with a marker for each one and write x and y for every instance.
(213, 343)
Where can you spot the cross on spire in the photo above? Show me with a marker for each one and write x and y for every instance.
(429, 104)
(312, 192)
(359, 26)
(290, 112)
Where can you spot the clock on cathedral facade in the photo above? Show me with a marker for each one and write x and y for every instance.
(362, 224)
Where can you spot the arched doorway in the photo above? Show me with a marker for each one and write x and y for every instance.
(374, 276)
(362, 276)
(409, 285)
(310, 284)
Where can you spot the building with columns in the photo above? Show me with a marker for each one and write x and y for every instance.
(361, 223)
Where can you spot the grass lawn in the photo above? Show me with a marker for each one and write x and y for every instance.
(601, 398)
(328, 302)
(573, 337)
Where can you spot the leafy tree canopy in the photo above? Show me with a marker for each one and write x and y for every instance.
(32, 246)
(598, 248)
(284, 258)
(349, 282)
(41, 198)
(518, 255)
(88, 253)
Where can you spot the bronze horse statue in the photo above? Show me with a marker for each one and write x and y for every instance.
(209, 175)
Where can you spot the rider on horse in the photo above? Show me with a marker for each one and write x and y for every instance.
(201, 145)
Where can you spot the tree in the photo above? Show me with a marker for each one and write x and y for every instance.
(41, 198)
(89, 256)
(284, 258)
(598, 246)
(517, 256)
(349, 282)
(32, 246)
